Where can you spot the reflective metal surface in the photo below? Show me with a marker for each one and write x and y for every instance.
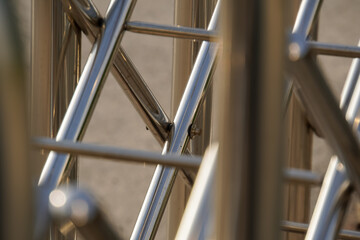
(350, 83)
(163, 179)
(249, 188)
(82, 210)
(198, 219)
(301, 176)
(87, 91)
(335, 192)
(115, 153)
(171, 31)
(307, 14)
(85, 15)
(325, 111)
(334, 49)
(126, 74)
(302, 228)
(194, 14)
(55, 71)
(250, 130)
(331, 204)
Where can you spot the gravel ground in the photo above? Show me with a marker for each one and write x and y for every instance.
(121, 187)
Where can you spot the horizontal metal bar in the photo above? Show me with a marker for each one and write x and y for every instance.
(172, 31)
(302, 176)
(115, 153)
(183, 161)
(87, 91)
(302, 228)
(334, 49)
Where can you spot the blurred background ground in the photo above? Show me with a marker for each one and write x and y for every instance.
(121, 187)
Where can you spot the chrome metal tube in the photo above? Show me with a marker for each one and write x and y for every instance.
(87, 91)
(172, 31)
(325, 110)
(194, 14)
(198, 219)
(302, 176)
(331, 203)
(334, 195)
(81, 209)
(115, 153)
(302, 228)
(305, 18)
(141, 96)
(249, 170)
(164, 177)
(334, 49)
(55, 71)
(89, 20)
(354, 104)
(350, 83)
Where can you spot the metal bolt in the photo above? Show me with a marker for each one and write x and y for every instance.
(194, 131)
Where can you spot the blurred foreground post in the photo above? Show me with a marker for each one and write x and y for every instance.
(250, 132)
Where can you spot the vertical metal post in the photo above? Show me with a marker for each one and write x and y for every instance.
(299, 145)
(197, 14)
(55, 67)
(250, 132)
(55, 70)
(40, 84)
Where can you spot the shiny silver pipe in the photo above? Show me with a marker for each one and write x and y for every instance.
(294, 175)
(115, 153)
(140, 95)
(194, 14)
(334, 49)
(172, 31)
(331, 204)
(182, 161)
(199, 216)
(249, 175)
(350, 83)
(354, 104)
(87, 91)
(334, 195)
(302, 228)
(307, 13)
(164, 177)
(77, 206)
(324, 108)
